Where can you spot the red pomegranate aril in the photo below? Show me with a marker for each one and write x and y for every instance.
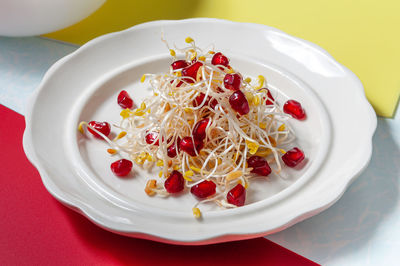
(213, 103)
(175, 182)
(293, 157)
(179, 64)
(270, 99)
(239, 102)
(294, 109)
(189, 147)
(260, 165)
(102, 127)
(237, 195)
(200, 98)
(171, 150)
(232, 81)
(204, 189)
(199, 130)
(219, 90)
(220, 59)
(191, 71)
(121, 167)
(151, 138)
(124, 100)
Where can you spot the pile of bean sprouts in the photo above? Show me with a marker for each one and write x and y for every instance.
(231, 138)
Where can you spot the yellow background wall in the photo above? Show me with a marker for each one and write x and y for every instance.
(364, 35)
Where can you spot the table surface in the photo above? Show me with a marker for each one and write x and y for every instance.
(362, 228)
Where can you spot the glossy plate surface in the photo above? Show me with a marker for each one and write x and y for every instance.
(336, 136)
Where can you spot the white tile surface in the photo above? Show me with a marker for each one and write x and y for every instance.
(23, 62)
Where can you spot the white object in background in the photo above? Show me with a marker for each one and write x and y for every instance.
(28, 18)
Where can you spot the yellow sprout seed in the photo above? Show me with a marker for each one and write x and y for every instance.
(139, 112)
(194, 55)
(189, 173)
(189, 40)
(143, 78)
(261, 81)
(120, 135)
(80, 127)
(187, 178)
(230, 71)
(202, 58)
(256, 100)
(172, 52)
(111, 151)
(282, 127)
(263, 125)
(263, 152)
(196, 212)
(188, 110)
(125, 113)
(139, 161)
(249, 96)
(160, 163)
(233, 175)
(198, 170)
(253, 147)
(150, 185)
(248, 80)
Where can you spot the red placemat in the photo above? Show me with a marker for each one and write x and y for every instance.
(37, 230)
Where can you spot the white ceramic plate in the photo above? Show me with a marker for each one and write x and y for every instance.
(336, 136)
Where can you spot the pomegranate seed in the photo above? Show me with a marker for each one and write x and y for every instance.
(294, 109)
(179, 64)
(171, 150)
(232, 81)
(270, 99)
(199, 130)
(204, 189)
(121, 167)
(151, 138)
(124, 100)
(175, 182)
(189, 147)
(260, 165)
(191, 71)
(237, 195)
(219, 89)
(220, 59)
(239, 102)
(103, 127)
(293, 157)
(213, 103)
(199, 99)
